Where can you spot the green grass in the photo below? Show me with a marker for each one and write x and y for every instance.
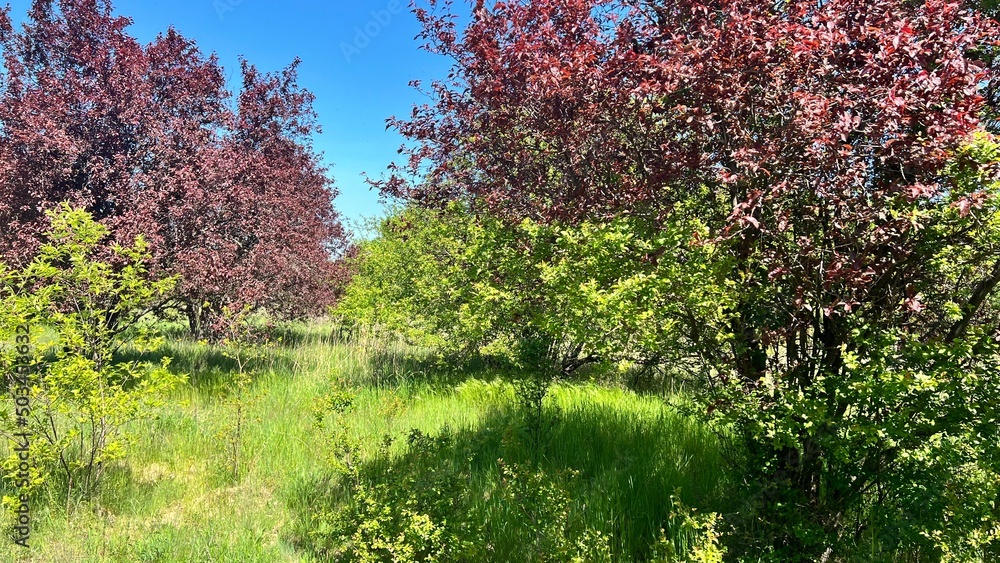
(618, 456)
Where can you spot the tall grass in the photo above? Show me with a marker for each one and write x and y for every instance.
(619, 456)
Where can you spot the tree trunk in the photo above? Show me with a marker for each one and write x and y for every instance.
(194, 315)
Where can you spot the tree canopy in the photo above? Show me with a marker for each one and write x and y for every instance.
(227, 189)
(837, 154)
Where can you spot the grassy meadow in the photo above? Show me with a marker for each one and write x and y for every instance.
(323, 434)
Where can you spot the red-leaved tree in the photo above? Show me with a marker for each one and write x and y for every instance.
(825, 146)
(229, 192)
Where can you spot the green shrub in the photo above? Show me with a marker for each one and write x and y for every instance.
(424, 508)
(249, 348)
(82, 309)
(471, 284)
(696, 538)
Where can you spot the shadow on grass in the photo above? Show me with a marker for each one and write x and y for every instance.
(208, 368)
(394, 367)
(299, 334)
(123, 491)
(117, 491)
(523, 490)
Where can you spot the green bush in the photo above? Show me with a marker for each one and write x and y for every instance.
(697, 539)
(474, 285)
(424, 509)
(858, 389)
(83, 310)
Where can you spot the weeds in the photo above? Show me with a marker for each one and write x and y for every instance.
(354, 462)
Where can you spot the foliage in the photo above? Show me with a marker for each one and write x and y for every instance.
(543, 297)
(546, 300)
(880, 418)
(81, 312)
(598, 490)
(699, 541)
(341, 448)
(829, 156)
(585, 109)
(415, 513)
(227, 190)
(248, 347)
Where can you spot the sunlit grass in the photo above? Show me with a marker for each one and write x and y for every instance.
(174, 500)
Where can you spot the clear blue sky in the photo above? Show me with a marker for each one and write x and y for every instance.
(355, 92)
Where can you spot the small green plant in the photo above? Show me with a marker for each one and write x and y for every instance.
(249, 349)
(83, 309)
(694, 539)
(233, 433)
(534, 423)
(341, 448)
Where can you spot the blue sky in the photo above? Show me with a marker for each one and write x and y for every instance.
(358, 57)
